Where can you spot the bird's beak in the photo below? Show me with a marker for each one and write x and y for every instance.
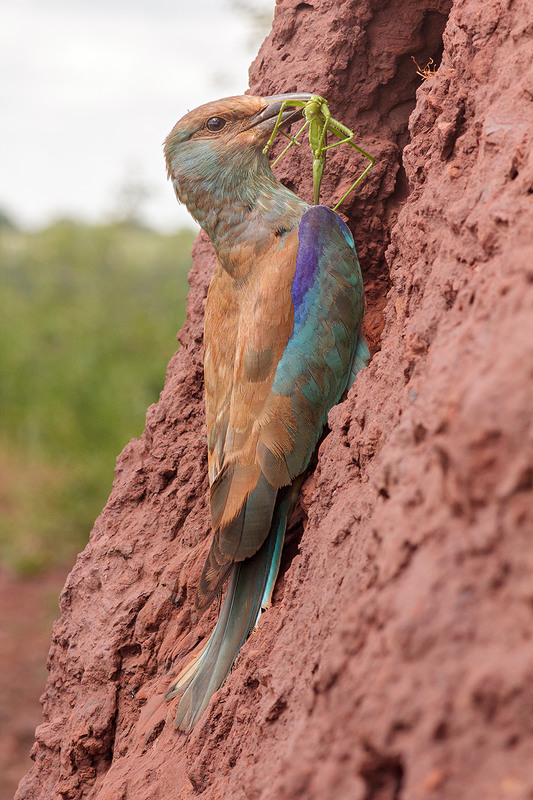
(269, 113)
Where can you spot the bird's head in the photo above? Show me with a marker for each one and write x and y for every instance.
(216, 150)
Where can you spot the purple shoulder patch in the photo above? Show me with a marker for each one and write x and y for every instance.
(314, 229)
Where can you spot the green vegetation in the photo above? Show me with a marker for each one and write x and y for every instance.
(88, 317)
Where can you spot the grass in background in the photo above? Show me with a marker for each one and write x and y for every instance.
(88, 318)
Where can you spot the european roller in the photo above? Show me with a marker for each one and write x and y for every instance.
(282, 343)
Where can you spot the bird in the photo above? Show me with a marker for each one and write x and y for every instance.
(282, 343)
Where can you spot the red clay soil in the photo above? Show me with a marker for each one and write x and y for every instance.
(397, 659)
(28, 606)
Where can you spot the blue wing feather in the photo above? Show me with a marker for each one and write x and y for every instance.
(328, 297)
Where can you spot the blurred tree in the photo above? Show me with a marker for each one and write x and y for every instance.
(89, 318)
(260, 14)
(130, 198)
(6, 221)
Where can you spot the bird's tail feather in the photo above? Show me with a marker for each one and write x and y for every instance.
(249, 590)
(286, 501)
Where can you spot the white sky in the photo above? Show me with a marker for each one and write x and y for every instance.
(90, 88)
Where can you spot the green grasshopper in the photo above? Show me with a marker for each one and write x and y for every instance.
(319, 121)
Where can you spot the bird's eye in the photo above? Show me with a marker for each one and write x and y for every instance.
(215, 124)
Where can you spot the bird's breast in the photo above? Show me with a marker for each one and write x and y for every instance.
(248, 324)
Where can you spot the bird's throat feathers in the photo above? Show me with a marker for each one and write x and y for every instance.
(234, 195)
